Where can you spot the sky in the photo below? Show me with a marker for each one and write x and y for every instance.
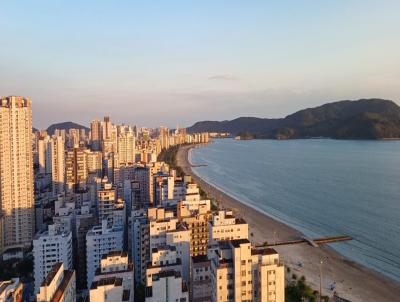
(172, 63)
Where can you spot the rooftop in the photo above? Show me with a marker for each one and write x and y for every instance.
(107, 281)
(63, 285)
(237, 242)
(199, 259)
(50, 276)
(115, 253)
(264, 251)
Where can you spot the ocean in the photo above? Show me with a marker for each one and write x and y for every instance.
(320, 187)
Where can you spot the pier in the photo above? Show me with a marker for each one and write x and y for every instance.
(313, 242)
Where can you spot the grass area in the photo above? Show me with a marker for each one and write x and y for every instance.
(299, 290)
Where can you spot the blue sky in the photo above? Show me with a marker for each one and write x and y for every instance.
(176, 62)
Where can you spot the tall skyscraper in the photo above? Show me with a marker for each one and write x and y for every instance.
(57, 164)
(106, 128)
(16, 172)
(95, 135)
(126, 145)
(76, 169)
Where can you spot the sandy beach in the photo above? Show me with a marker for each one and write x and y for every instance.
(353, 281)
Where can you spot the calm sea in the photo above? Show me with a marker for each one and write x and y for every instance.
(320, 187)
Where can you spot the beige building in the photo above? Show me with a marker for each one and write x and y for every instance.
(59, 285)
(195, 214)
(126, 145)
(225, 226)
(163, 258)
(95, 135)
(94, 162)
(240, 273)
(76, 169)
(16, 173)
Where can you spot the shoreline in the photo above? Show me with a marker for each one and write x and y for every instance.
(354, 281)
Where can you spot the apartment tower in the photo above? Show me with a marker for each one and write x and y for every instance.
(16, 173)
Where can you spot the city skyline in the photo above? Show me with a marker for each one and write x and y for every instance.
(168, 62)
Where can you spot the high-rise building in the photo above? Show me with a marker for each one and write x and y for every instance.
(140, 249)
(100, 241)
(57, 164)
(126, 145)
(49, 248)
(240, 273)
(44, 155)
(94, 163)
(164, 137)
(17, 215)
(76, 169)
(95, 135)
(110, 207)
(106, 128)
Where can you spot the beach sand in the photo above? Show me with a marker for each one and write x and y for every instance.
(353, 281)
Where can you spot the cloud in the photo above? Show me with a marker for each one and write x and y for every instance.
(223, 77)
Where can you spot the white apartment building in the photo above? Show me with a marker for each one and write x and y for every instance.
(16, 174)
(116, 264)
(110, 207)
(59, 285)
(163, 258)
(44, 155)
(51, 247)
(240, 273)
(167, 286)
(225, 226)
(161, 222)
(180, 239)
(100, 241)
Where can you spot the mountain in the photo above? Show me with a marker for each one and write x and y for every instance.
(65, 126)
(361, 119)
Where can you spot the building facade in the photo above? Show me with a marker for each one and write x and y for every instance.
(17, 214)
